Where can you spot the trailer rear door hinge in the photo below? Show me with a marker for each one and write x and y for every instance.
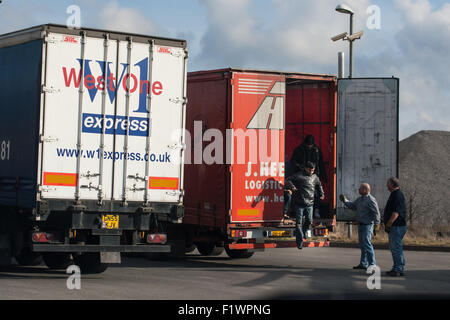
(50, 89)
(48, 139)
(178, 53)
(135, 189)
(46, 189)
(89, 175)
(137, 177)
(50, 39)
(175, 146)
(179, 193)
(179, 100)
(91, 187)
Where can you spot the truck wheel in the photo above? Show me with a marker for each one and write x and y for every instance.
(209, 249)
(89, 263)
(58, 260)
(28, 258)
(238, 254)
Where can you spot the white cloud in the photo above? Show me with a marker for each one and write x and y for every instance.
(16, 16)
(423, 43)
(124, 19)
(414, 11)
(425, 116)
(294, 35)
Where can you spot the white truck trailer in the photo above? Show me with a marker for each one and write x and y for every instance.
(91, 144)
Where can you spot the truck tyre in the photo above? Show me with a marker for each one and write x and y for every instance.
(28, 258)
(209, 249)
(57, 260)
(238, 254)
(89, 263)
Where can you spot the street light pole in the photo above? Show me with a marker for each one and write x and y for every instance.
(343, 8)
(351, 48)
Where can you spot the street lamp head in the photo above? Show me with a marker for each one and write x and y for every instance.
(343, 8)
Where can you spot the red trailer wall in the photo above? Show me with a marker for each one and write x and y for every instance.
(206, 186)
(259, 111)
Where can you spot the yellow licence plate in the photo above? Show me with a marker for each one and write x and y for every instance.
(284, 233)
(110, 221)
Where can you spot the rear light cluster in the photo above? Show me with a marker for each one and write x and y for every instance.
(238, 233)
(321, 232)
(157, 238)
(42, 237)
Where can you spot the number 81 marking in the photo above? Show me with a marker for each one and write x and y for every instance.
(4, 153)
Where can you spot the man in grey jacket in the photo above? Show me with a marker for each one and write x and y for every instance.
(303, 185)
(366, 207)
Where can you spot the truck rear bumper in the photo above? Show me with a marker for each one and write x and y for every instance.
(98, 248)
(280, 244)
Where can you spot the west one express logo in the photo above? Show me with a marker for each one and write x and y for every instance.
(92, 123)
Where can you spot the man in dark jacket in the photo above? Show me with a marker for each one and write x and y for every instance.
(308, 151)
(305, 152)
(395, 225)
(303, 184)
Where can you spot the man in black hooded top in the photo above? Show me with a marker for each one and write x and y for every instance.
(305, 152)
(308, 151)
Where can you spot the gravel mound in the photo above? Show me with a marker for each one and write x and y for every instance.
(424, 165)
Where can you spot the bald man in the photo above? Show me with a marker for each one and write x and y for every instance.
(366, 207)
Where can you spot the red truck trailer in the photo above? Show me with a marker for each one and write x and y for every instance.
(244, 124)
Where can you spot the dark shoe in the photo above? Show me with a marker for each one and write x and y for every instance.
(393, 273)
(360, 267)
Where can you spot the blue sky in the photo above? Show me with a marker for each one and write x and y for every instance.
(413, 42)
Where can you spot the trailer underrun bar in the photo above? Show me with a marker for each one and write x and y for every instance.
(281, 244)
(99, 248)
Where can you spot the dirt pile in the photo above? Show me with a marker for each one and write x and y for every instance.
(424, 165)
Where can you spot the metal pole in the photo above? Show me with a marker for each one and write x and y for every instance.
(341, 65)
(351, 48)
(349, 230)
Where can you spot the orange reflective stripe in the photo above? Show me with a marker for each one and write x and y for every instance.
(60, 179)
(247, 212)
(164, 183)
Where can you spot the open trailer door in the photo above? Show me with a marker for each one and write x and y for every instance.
(367, 138)
(257, 172)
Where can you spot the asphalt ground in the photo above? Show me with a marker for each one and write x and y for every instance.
(274, 274)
